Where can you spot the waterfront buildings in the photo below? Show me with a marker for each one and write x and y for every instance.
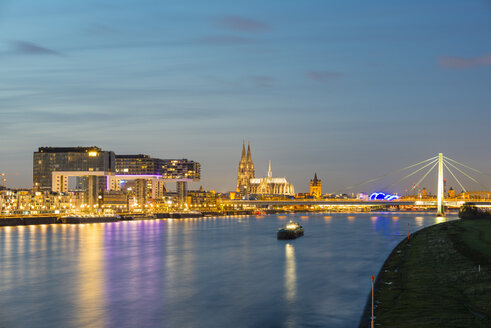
(103, 177)
(148, 175)
(69, 159)
(315, 187)
(35, 202)
(248, 184)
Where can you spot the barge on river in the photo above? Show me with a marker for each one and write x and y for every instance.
(291, 231)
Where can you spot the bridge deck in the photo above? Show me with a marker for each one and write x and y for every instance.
(310, 202)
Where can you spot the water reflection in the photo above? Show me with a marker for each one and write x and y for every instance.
(440, 219)
(290, 273)
(210, 272)
(91, 284)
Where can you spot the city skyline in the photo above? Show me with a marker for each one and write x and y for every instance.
(395, 178)
(319, 88)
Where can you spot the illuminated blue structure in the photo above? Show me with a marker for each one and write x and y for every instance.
(382, 196)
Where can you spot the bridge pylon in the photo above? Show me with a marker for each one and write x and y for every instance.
(440, 196)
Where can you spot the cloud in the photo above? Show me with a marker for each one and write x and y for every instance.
(462, 62)
(322, 76)
(263, 81)
(241, 24)
(225, 40)
(28, 48)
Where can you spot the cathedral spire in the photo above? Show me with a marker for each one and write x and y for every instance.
(246, 170)
(270, 173)
(249, 156)
(243, 157)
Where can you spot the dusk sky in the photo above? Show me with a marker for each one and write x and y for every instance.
(348, 89)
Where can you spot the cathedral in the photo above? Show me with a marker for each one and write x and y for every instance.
(247, 183)
(245, 172)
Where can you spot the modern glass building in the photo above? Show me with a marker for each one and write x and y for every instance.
(180, 169)
(50, 159)
(98, 172)
(137, 165)
(174, 169)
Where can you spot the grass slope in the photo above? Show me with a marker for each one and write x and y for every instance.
(432, 280)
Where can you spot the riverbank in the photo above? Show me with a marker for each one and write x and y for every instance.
(440, 277)
(74, 219)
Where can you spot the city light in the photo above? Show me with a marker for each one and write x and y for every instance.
(382, 196)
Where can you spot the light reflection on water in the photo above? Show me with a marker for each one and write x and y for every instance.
(210, 272)
(290, 273)
(90, 296)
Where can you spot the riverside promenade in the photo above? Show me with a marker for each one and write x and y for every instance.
(74, 219)
(439, 277)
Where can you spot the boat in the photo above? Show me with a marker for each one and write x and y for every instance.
(291, 231)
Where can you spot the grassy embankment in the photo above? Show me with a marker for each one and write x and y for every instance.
(432, 279)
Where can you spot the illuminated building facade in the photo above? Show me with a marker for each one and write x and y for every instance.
(248, 184)
(200, 199)
(176, 169)
(28, 202)
(150, 174)
(271, 186)
(51, 159)
(315, 187)
(140, 177)
(137, 165)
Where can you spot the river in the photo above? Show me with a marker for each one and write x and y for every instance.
(207, 272)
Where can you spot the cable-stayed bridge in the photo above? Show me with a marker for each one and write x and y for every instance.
(439, 162)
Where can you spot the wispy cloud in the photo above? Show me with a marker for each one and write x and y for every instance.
(465, 62)
(241, 24)
(29, 48)
(323, 76)
(225, 40)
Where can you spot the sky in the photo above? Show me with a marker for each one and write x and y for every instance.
(348, 89)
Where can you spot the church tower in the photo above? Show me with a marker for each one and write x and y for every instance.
(250, 164)
(315, 187)
(246, 171)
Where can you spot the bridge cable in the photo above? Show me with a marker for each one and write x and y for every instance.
(454, 177)
(470, 168)
(424, 176)
(390, 173)
(467, 175)
(409, 175)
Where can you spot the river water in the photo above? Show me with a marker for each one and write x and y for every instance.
(207, 272)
